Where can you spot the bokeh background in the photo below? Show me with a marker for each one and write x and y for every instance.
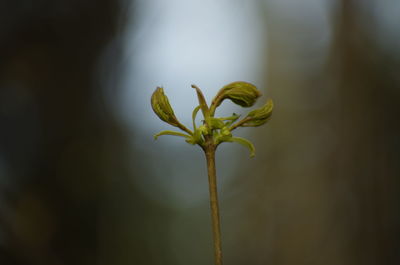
(83, 182)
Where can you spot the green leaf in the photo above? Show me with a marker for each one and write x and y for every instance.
(171, 133)
(161, 107)
(241, 93)
(259, 116)
(245, 143)
(203, 103)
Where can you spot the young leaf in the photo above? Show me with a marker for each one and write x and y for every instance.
(259, 116)
(171, 133)
(161, 107)
(203, 103)
(245, 143)
(241, 93)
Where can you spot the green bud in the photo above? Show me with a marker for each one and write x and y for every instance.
(225, 132)
(241, 93)
(161, 107)
(224, 135)
(197, 137)
(259, 116)
(203, 129)
(216, 123)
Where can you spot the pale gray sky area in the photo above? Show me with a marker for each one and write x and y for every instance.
(178, 43)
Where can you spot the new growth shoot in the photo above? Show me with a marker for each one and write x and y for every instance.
(213, 131)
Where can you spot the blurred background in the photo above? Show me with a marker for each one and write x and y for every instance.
(83, 182)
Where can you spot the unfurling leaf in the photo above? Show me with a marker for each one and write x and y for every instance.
(259, 116)
(241, 93)
(202, 103)
(161, 107)
(245, 143)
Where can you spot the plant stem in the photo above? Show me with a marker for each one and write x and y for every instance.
(212, 182)
(234, 126)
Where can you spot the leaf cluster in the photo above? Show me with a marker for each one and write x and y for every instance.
(218, 129)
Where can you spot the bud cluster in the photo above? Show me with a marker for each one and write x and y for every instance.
(216, 130)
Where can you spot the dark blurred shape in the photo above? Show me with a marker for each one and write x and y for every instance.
(330, 190)
(58, 142)
(367, 125)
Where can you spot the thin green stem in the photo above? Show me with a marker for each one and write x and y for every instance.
(209, 149)
(234, 126)
(183, 128)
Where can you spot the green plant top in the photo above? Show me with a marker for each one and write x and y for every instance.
(215, 130)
